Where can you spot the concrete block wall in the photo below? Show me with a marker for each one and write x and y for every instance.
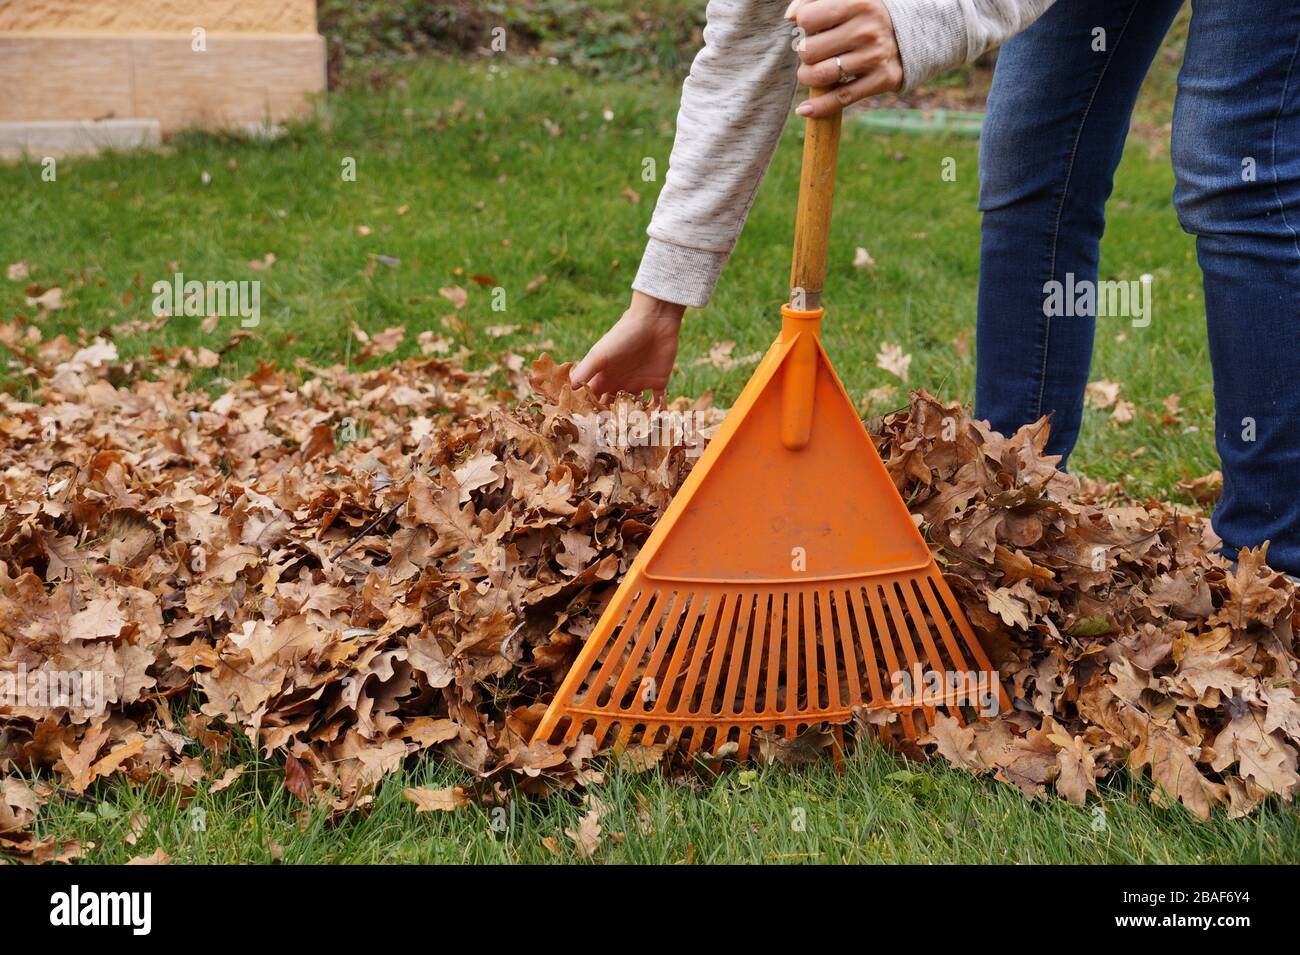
(78, 60)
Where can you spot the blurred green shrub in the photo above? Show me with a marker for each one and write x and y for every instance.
(657, 37)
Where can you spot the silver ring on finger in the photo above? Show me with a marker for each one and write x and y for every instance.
(844, 77)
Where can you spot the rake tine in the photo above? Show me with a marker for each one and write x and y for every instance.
(846, 642)
(573, 732)
(921, 628)
(792, 633)
(593, 692)
(665, 637)
(826, 620)
(837, 751)
(727, 704)
(648, 625)
(700, 737)
(891, 657)
(711, 633)
(941, 621)
(650, 732)
(963, 626)
(945, 633)
(905, 638)
(727, 634)
(762, 620)
(774, 631)
(868, 646)
(743, 740)
(682, 640)
(808, 637)
(587, 656)
(626, 729)
(927, 641)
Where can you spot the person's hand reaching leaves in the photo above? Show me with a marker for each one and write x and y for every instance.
(636, 354)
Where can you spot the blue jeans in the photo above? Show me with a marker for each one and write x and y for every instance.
(1058, 114)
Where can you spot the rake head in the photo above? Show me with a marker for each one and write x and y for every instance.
(785, 586)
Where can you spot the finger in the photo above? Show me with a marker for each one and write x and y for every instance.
(815, 16)
(882, 80)
(858, 62)
(600, 385)
(793, 9)
(822, 46)
(590, 365)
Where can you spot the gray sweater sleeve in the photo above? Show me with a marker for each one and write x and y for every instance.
(937, 35)
(735, 102)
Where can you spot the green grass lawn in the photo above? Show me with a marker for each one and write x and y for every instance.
(877, 810)
(471, 152)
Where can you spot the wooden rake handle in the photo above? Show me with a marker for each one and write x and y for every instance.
(801, 320)
(812, 225)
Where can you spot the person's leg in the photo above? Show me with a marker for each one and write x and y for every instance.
(1236, 152)
(1058, 114)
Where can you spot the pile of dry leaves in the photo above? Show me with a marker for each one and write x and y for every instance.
(1123, 636)
(351, 568)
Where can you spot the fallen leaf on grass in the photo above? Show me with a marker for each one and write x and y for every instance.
(961, 343)
(157, 857)
(227, 778)
(455, 294)
(892, 359)
(882, 395)
(426, 799)
(431, 344)
(1100, 394)
(641, 758)
(296, 779)
(138, 823)
(956, 743)
(1077, 770)
(381, 343)
(586, 837)
(720, 356)
(1204, 490)
(50, 299)
(862, 260)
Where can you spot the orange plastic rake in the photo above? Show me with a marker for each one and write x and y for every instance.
(786, 584)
